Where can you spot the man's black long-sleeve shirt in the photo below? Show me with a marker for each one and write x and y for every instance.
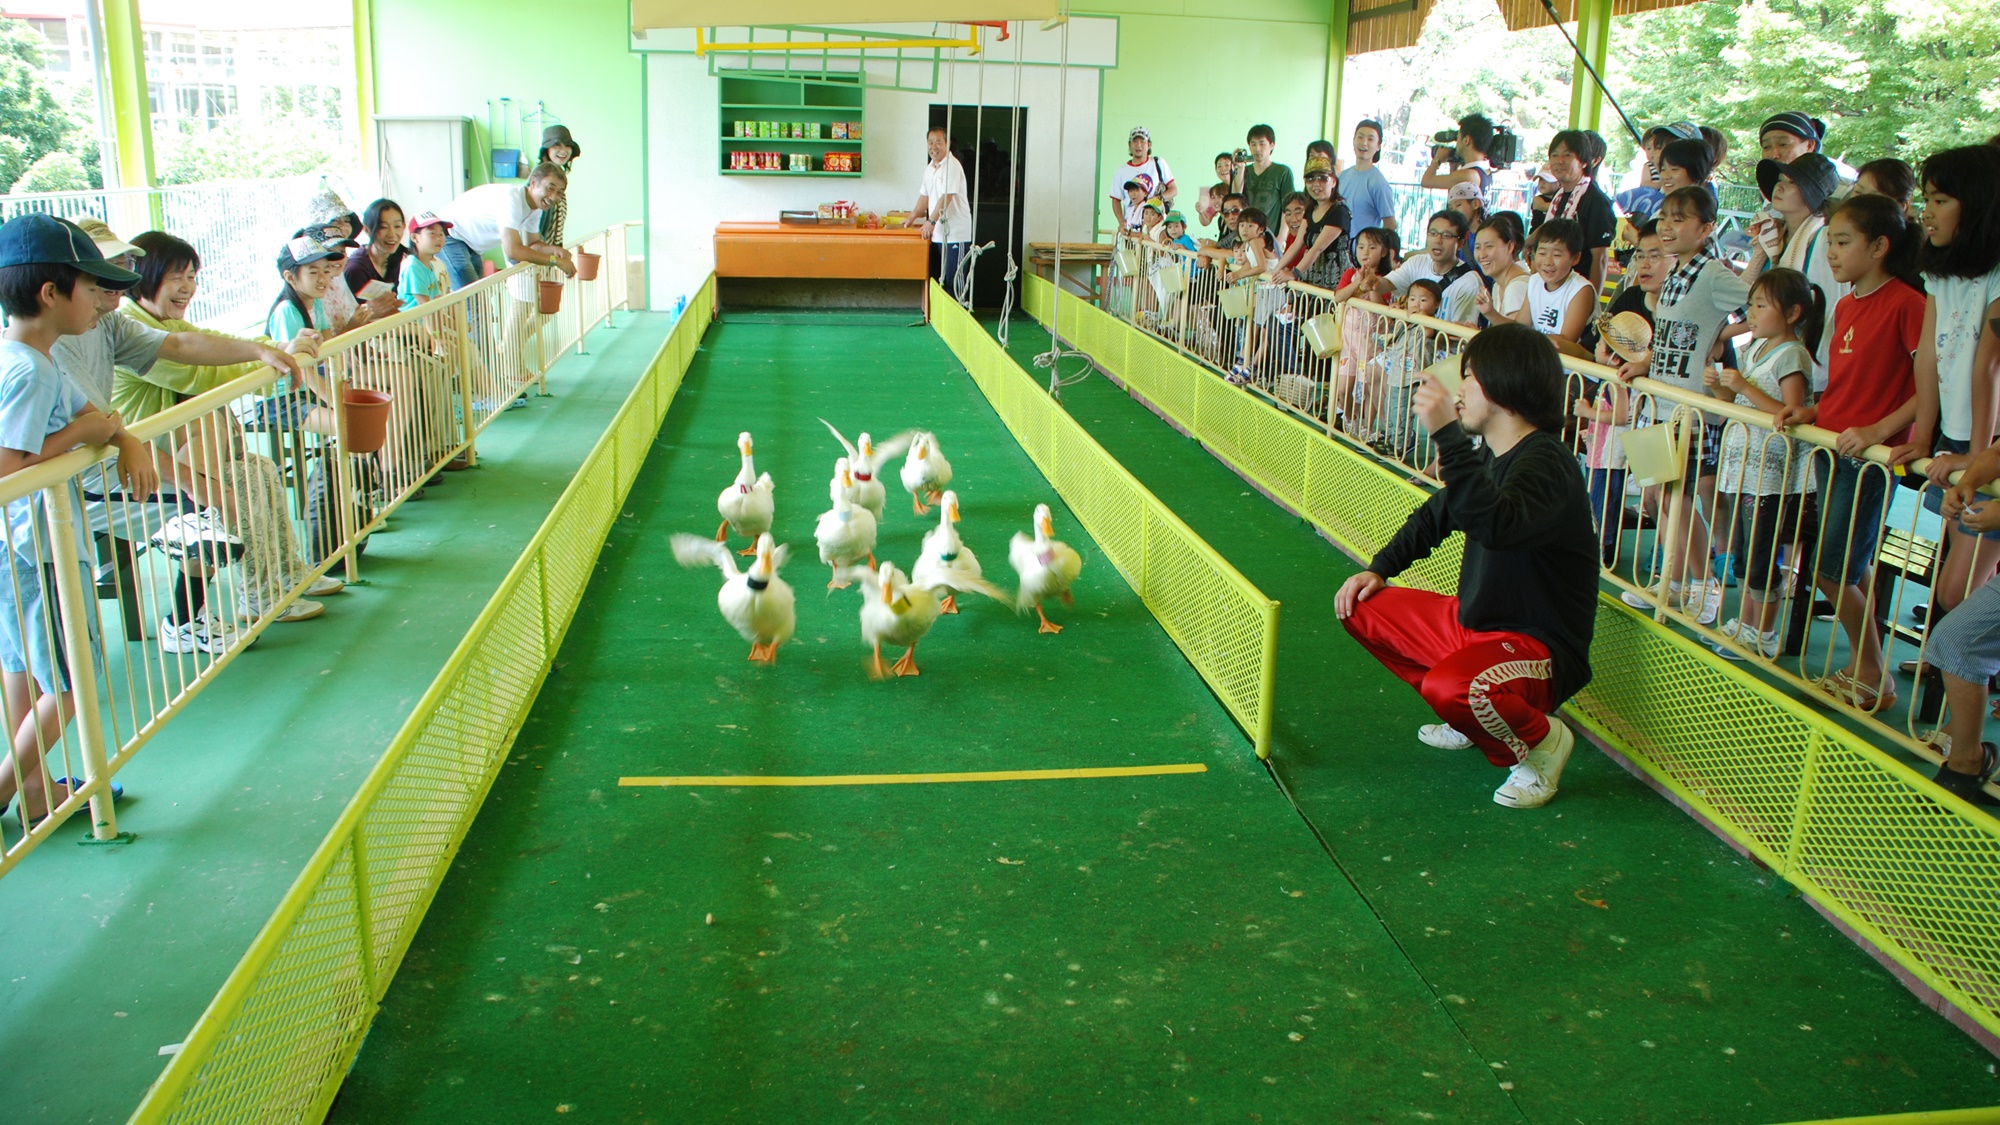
(1531, 558)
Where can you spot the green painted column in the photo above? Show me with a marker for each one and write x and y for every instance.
(1593, 35)
(1336, 69)
(364, 79)
(131, 109)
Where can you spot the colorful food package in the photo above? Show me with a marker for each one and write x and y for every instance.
(840, 130)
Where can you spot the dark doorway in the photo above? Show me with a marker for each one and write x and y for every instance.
(983, 141)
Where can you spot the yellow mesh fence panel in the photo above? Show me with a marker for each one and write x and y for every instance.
(276, 1041)
(1915, 872)
(1225, 626)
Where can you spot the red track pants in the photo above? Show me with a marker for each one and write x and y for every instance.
(1491, 687)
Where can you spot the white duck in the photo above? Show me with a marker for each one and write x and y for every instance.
(756, 602)
(865, 461)
(846, 533)
(1046, 566)
(746, 506)
(897, 611)
(925, 472)
(945, 556)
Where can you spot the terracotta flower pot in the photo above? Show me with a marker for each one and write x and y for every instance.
(551, 297)
(367, 419)
(586, 265)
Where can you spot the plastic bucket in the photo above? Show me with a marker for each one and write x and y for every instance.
(1323, 334)
(1651, 456)
(1236, 301)
(367, 419)
(550, 297)
(586, 265)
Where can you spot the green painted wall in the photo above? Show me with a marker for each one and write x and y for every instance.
(1198, 74)
(451, 56)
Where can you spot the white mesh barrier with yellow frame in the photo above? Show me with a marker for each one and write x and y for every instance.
(1821, 790)
(1223, 624)
(99, 633)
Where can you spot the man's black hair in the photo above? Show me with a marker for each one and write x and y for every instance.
(21, 286)
(1477, 128)
(1458, 222)
(1370, 123)
(1236, 195)
(165, 254)
(1587, 146)
(1263, 131)
(1520, 372)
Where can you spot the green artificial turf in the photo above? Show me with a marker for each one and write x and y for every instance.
(1159, 948)
(1621, 962)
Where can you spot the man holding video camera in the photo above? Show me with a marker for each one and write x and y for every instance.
(1461, 155)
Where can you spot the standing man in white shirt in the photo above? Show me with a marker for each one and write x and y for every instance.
(498, 215)
(1151, 172)
(942, 214)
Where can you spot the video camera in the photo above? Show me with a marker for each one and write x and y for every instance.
(1505, 149)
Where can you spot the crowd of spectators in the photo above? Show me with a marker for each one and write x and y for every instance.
(97, 338)
(1866, 303)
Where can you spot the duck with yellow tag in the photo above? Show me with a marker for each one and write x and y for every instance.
(846, 532)
(898, 611)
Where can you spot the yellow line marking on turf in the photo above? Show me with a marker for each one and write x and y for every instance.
(914, 778)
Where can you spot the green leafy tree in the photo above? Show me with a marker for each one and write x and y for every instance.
(30, 112)
(13, 158)
(1889, 77)
(57, 171)
(249, 150)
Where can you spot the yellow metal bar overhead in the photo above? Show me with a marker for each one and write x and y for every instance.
(648, 15)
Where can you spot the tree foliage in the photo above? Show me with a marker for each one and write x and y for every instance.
(30, 112)
(250, 150)
(1889, 77)
(57, 171)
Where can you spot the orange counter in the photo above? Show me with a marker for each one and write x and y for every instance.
(784, 250)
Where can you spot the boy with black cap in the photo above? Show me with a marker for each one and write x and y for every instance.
(1495, 661)
(51, 279)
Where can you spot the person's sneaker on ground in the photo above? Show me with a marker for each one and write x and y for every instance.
(1533, 782)
(1646, 599)
(1704, 602)
(300, 610)
(1970, 787)
(176, 639)
(325, 585)
(1767, 644)
(1443, 736)
(213, 633)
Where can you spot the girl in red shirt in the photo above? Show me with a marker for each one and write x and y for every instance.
(1870, 399)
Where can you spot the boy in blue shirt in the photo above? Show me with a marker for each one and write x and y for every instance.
(51, 281)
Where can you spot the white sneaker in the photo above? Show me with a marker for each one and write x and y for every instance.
(1533, 782)
(1710, 606)
(1647, 599)
(324, 586)
(1730, 629)
(301, 610)
(213, 633)
(177, 639)
(1444, 736)
(1766, 643)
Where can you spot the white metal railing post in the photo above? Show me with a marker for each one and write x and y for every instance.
(76, 605)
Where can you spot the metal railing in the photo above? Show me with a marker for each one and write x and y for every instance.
(237, 223)
(1804, 789)
(275, 1043)
(1748, 551)
(265, 488)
